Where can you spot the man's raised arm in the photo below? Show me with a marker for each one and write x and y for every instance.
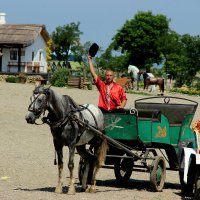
(91, 66)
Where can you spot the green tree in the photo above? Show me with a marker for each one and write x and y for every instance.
(49, 49)
(182, 56)
(139, 38)
(66, 38)
(171, 47)
(190, 59)
(117, 62)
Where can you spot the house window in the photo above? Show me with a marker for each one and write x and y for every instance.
(13, 55)
(33, 55)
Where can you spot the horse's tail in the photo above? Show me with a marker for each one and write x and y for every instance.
(102, 152)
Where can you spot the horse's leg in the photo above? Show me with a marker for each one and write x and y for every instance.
(85, 175)
(162, 87)
(92, 188)
(71, 168)
(85, 155)
(100, 154)
(153, 88)
(60, 167)
(144, 85)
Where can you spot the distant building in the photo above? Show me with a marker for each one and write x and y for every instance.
(23, 47)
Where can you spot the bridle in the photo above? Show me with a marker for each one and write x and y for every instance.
(44, 105)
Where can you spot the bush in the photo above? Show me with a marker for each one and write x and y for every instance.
(12, 79)
(189, 91)
(89, 86)
(60, 77)
(22, 78)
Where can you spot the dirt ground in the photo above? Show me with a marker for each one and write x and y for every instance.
(26, 166)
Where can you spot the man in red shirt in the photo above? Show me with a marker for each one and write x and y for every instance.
(112, 95)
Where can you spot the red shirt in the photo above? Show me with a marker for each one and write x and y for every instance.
(117, 95)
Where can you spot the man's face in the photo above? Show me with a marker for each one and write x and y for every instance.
(109, 77)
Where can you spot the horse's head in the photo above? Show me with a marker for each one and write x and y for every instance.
(133, 70)
(38, 104)
(145, 75)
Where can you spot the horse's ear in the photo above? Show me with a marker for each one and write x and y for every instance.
(46, 91)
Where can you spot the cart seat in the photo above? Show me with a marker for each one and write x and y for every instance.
(175, 113)
(144, 114)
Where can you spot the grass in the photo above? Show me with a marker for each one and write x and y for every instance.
(140, 93)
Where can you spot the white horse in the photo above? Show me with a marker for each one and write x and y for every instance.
(136, 77)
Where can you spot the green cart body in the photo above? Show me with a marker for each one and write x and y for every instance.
(155, 123)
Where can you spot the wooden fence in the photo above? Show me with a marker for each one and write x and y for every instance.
(78, 82)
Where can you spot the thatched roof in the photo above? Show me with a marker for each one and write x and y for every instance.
(21, 35)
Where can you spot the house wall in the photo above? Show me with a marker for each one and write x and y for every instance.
(39, 46)
(5, 59)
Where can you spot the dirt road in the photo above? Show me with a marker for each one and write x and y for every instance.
(26, 166)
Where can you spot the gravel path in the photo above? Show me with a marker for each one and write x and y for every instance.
(26, 167)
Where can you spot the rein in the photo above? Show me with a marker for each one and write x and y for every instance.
(69, 117)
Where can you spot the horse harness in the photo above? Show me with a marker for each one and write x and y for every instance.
(69, 118)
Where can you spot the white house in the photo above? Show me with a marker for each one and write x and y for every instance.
(23, 47)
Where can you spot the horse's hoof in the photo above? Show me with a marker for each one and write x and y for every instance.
(91, 190)
(84, 189)
(71, 191)
(87, 190)
(58, 190)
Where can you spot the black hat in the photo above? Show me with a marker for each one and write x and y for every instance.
(93, 49)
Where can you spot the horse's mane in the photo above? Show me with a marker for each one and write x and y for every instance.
(67, 102)
(70, 101)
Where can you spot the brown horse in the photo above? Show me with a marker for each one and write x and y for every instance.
(153, 81)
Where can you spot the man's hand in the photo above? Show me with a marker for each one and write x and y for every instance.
(89, 57)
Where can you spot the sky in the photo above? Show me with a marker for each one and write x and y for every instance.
(100, 20)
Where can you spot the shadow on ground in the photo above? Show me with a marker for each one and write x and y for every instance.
(113, 185)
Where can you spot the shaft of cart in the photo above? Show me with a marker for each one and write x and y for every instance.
(112, 141)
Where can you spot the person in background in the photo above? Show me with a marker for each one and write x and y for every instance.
(112, 96)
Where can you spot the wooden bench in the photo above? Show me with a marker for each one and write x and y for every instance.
(41, 81)
(74, 82)
(78, 82)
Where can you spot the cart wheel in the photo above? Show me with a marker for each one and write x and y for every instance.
(158, 174)
(186, 189)
(123, 169)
